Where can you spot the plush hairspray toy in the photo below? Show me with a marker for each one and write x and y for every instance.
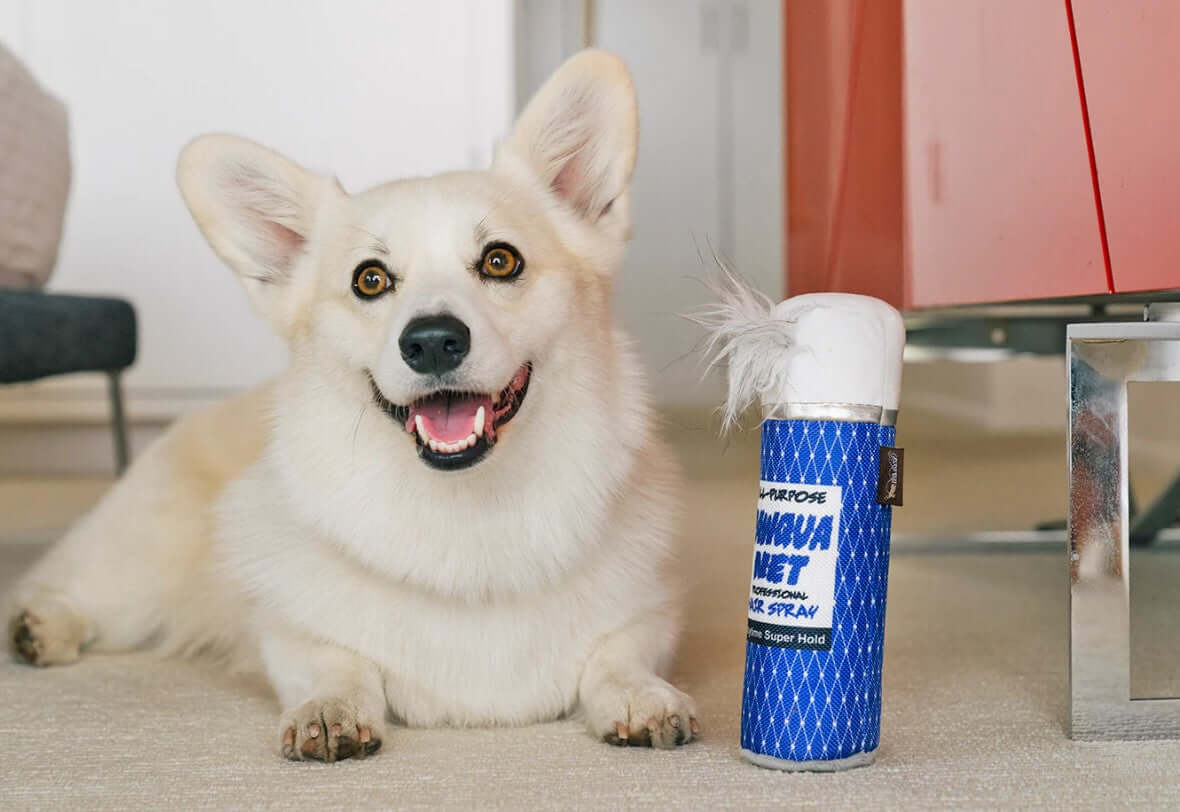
(827, 370)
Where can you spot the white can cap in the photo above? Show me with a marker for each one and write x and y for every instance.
(846, 349)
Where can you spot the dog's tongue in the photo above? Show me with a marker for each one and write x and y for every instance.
(450, 418)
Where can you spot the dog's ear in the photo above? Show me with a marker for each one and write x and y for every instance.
(256, 209)
(580, 133)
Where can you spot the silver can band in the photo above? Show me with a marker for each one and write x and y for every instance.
(843, 412)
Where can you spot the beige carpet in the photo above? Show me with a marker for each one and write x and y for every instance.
(975, 680)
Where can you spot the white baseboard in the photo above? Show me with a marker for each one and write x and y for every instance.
(48, 449)
(1025, 396)
(85, 399)
(1153, 454)
(62, 426)
(951, 407)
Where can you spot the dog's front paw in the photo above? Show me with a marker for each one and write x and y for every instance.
(46, 633)
(328, 730)
(646, 713)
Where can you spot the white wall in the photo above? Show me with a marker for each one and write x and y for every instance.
(709, 76)
(367, 89)
(373, 89)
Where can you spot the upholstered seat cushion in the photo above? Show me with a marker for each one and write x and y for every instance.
(48, 334)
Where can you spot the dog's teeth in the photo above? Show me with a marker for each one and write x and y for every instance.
(443, 447)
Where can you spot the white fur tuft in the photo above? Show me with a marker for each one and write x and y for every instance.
(745, 335)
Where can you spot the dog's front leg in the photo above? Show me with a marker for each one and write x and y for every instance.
(623, 698)
(333, 700)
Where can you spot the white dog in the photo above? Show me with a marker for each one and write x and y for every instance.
(452, 507)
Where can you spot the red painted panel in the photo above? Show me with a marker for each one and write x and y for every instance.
(1130, 56)
(1000, 203)
(843, 152)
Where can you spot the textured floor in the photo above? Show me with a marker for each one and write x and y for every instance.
(975, 680)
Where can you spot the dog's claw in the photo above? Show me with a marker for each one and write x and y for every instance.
(621, 731)
(369, 745)
(694, 725)
(289, 743)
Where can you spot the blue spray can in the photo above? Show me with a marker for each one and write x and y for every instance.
(827, 369)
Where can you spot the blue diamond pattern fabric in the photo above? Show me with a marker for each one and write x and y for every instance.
(811, 694)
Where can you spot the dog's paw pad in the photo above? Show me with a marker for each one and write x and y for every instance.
(328, 730)
(45, 636)
(652, 715)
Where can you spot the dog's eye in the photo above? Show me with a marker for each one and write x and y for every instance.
(500, 261)
(370, 280)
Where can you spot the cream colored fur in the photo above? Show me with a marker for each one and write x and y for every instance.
(294, 528)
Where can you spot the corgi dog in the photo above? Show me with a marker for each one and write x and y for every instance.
(453, 507)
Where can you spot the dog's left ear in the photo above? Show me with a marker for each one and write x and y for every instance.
(580, 133)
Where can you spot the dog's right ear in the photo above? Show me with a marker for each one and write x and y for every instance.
(257, 210)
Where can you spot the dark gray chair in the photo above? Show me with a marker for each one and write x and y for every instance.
(43, 334)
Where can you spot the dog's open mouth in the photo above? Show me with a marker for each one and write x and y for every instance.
(453, 429)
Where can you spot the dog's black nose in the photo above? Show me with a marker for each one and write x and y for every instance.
(433, 345)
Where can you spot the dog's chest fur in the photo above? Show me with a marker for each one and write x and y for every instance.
(479, 608)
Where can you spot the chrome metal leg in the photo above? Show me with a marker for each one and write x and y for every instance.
(1102, 359)
(118, 421)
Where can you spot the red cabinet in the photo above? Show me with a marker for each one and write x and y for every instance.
(844, 178)
(937, 151)
(999, 199)
(1130, 57)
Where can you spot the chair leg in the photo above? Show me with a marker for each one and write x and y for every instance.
(118, 420)
(1160, 515)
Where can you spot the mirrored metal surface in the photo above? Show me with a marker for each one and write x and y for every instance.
(1102, 359)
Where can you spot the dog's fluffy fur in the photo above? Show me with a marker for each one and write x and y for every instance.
(296, 529)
